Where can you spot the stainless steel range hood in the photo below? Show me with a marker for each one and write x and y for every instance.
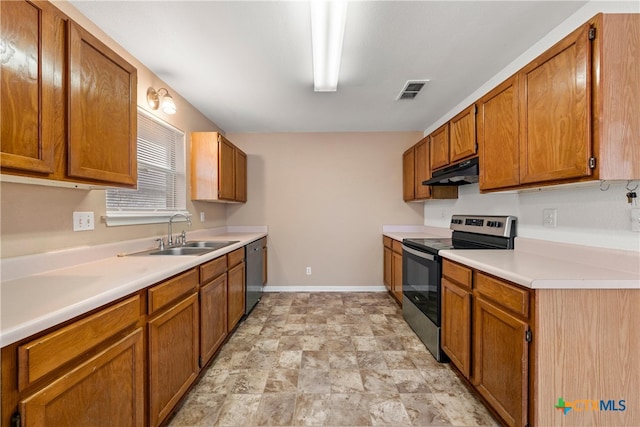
(465, 172)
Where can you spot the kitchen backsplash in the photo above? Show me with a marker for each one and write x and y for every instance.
(585, 214)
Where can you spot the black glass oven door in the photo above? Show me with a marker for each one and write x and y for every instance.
(421, 281)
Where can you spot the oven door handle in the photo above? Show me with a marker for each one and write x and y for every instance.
(418, 253)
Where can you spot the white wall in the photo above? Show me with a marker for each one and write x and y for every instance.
(586, 215)
(325, 198)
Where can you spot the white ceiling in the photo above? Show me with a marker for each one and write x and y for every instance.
(248, 66)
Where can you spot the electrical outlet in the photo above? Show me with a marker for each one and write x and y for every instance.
(201, 216)
(550, 217)
(308, 271)
(83, 221)
(635, 219)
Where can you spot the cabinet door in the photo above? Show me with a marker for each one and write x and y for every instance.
(555, 95)
(423, 169)
(32, 113)
(462, 131)
(440, 147)
(173, 357)
(102, 112)
(456, 325)
(213, 316)
(408, 175)
(226, 169)
(396, 281)
(107, 390)
(241, 175)
(500, 362)
(235, 295)
(388, 256)
(498, 137)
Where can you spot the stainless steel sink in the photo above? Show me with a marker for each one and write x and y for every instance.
(190, 248)
(214, 245)
(181, 250)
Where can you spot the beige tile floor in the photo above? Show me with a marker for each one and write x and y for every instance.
(328, 359)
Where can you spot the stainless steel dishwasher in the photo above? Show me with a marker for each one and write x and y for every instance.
(254, 268)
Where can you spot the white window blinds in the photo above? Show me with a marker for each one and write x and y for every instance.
(161, 177)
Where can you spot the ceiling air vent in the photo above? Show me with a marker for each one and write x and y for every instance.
(411, 89)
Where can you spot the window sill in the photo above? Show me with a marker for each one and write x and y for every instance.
(116, 219)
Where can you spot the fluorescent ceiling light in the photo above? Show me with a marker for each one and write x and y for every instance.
(328, 20)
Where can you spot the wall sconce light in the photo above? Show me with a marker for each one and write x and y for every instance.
(154, 97)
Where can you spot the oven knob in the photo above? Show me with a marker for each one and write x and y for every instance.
(490, 223)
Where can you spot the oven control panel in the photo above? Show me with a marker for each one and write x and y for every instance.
(504, 226)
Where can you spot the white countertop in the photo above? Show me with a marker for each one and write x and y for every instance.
(539, 264)
(34, 300)
(399, 232)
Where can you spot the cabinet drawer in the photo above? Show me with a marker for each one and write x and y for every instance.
(386, 241)
(235, 257)
(396, 246)
(212, 269)
(456, 272)
(172, 289)
(42, 355)
(510, 297)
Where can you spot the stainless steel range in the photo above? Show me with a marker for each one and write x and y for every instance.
(422, 269)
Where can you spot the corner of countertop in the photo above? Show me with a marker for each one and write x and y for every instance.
(399, 232)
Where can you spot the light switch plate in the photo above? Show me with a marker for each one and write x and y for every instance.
(83, 221)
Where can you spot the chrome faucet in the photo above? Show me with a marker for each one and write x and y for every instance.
(170, 237)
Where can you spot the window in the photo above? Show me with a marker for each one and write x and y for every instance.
(161, 177)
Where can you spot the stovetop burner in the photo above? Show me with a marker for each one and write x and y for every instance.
(436, 244)
(471, 232)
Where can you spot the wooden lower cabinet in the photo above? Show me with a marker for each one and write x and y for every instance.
(501, 363)
(456, 325)
(486, 333)
(173, 356)
(130, 362)
(213, 316)
(106, 390)
(235, 295)
(387, 272)
(396, 282)
(392, 270)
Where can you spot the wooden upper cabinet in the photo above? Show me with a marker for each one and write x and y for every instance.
(226, 169)
(31, 85)
(102, 111)
(68, 101)
(408, 175)
(422, 169)
(241, 175)
(462, 134)
(416, 169)
(218, 169)
(555, 118)
(498, 136)
(440, 147)
(616, 115)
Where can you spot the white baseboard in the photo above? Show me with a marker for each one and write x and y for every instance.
(271, 288)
